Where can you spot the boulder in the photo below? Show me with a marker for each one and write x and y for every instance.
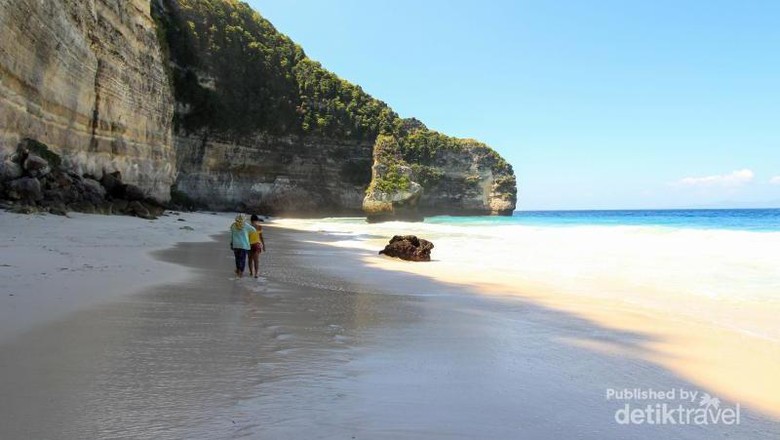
(137, 209)
(155, 209)
(112, 182)
(55, 207)
(118, 206)
(133, 193)
(36, 166)
(55, 195)
(9, 170)
(58, 179)
(93, 191)
(26, 189)
(408, 247)
(104, 207)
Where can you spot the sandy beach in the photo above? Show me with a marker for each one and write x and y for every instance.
(127, 328)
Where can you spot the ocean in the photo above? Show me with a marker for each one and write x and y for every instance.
(760, 220)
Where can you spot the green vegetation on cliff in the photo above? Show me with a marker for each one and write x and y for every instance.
(236, 73)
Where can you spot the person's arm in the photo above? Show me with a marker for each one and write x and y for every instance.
(262, 241)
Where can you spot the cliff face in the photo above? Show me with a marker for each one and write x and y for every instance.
(259, 125)
(471, 181)
(86, 77)
(274, 174)
(421, 172)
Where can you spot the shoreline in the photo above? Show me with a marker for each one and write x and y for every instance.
(326, 345)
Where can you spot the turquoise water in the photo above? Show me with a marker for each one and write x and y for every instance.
(757, 220)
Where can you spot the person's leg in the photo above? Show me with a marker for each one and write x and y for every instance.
(254, 262)
(242, 262)
(237, 256)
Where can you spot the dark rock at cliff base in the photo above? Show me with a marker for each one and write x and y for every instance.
(155, 209)
(137, 209)
(25, 189)
(112, 182)
(83, 206)
(119, 205)
(36, 166)
(55, 207)
(408, 247)
(93, 192)
(9, 170)
(133, 193)
(58, 179)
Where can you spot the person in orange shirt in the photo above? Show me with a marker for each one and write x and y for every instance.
(257, 245)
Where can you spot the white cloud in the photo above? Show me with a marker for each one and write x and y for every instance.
(775, 180)
(735, 178)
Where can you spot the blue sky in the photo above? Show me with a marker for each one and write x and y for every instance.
(602, 104)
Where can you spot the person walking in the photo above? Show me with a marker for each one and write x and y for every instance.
(239, 242)
(257, 245)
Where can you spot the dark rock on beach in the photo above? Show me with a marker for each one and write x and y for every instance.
(408, 247)
(36, 166)
(133, 193)
(9, 170)
(33, 180)
(25, 189)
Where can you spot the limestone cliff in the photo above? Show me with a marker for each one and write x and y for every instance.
(419, 172)
(273, 174)
(259, 125)
(86, 77)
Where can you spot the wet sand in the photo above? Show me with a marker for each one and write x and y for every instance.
(319, 349)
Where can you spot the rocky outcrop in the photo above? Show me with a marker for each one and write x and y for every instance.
(472, 180)
(87, 78)
(42, 184)
(408, 247)
(421, 172)
(393, 194)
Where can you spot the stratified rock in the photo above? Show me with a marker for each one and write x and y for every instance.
(408, 247)
(87, 78)
(36, 166)
(25, 189)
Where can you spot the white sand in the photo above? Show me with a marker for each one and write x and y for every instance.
(51, 265)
